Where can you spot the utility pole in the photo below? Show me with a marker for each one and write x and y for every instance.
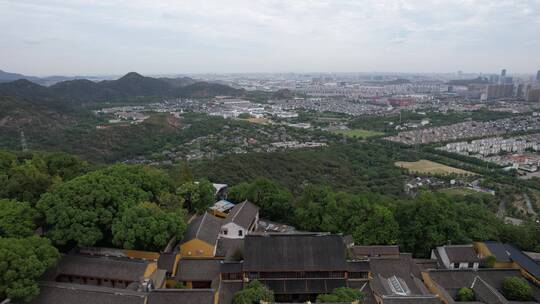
(24, 144)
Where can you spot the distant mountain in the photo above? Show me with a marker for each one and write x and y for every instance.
(24, 88)
(132, 85)
(179, 82)
(207, 89)
(6, 76)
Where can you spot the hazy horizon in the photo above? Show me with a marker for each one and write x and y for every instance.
(86, 38)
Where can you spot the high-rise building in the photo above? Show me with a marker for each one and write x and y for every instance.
(503, 73)
(496, 91)
(538, 76)
(532, 94)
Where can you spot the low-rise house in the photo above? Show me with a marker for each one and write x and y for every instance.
(242, 219)
(201, 236)
(107, 272)
(456, 257)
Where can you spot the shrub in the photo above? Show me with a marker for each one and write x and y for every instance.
(465, 295)
(516, 289)
(489, 261)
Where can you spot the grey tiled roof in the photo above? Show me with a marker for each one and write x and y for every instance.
(242, 214)
(198, 269)
(461, 253)
(294, 252)
(64, 293)
(205, 227)
(374, 251)
(101, 267)
(181, 296)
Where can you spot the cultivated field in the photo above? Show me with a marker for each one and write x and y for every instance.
(359, 133)
(424, 166)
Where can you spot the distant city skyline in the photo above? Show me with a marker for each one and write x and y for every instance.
(79, 37)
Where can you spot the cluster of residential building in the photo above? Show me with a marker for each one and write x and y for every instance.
(130, 114)
(514, 151)
(495, 145)
(468, 129)
(331, 105)
(229, 246)
(232, 107)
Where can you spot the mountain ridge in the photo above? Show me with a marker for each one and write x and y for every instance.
(131, 85)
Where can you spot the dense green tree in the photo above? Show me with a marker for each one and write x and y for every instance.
(275, 201)
(253, 293)
(151, 180)
(317, 210)
(80, 212)
(22, 262)
(426, 222)
(517, 289)
(65, 166)
(465, 295)
(6, 160)
(27, 181)
(169, 201)
(147, 227)
(185, 173)
(342, 294)
(17, 219)
(197, 196)
(380, 228)
(26, 176)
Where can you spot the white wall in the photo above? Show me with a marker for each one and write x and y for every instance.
(232, 231)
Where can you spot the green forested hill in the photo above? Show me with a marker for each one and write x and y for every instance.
(131, 86)
(353, 167)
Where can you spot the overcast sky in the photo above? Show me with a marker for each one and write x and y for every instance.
(44, 37)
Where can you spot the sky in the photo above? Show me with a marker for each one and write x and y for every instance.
(91, 37)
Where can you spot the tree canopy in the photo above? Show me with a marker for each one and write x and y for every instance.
(275, 201)
(380, 227)
(26, 176)
(81, 212)
(517, 289)
(253, 293)
(342, 294)
(17, 219)
(197, 196)
(22, 262)
(147, 227)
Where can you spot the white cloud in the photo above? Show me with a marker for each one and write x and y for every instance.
(90, 36)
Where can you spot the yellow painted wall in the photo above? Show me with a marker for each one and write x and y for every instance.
(175, 267)
(197, 248)
(147, 255)
(150, 270)
(218, 213)
(216, 297)
(431, 286)
(529, 276)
